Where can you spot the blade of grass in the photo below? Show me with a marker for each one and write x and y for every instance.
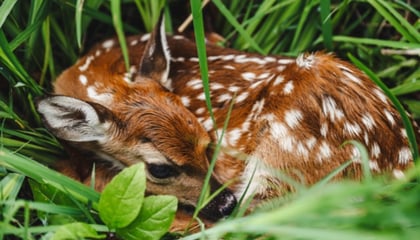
(5, 9)
(222, 8)
(78, 20)
(396, 20)
(377, 42)
(326, 26)
(202, 55)
(42, 174)
(117, 21)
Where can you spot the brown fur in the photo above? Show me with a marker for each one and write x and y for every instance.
(321, 83)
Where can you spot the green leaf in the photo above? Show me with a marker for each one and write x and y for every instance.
(76, 231)
(122, 198)
(154, 219)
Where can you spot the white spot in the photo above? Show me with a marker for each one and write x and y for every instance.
(285, 61)
(103, 98)
(108, 44)
(248, 76)
(404, 133)
(324, 129)
(293, 117)
(302, 150)
(241, 97)
(380, 95)
(389, 116)
(224, 97)
(145, 37)
(279, 79)
(178, 37)
(208, 124)
(216, 86)
(194, 82)
(375, 151)
(263, 75)
(98, 52)
(373, 165)
(83, 79)
(193, 59)
(200, 111)
(404, 156)
(281, 68)
(305, 62)
(279, 130)
(398, 174)
(352, 128)
(256, 84)
(368, 121)
(310, 142)
(201, 96)
(233, 136)
(257, 108)
(85, 66)
(178, 59)
(366, 138)
(213, 58)
(356, 155)
(228, 57)
(234, 88)
(324, 151)
(344, 68)
(134, 42)
(241, 59)
(186, 101)
(288, 87)
(352, 77)
(270, 59)
(229, 67)
(330, 108)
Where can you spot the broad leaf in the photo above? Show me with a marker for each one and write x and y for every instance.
(76, 231)
(122, 198)
(154, 219)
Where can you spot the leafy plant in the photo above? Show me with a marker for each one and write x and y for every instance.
(67, 214)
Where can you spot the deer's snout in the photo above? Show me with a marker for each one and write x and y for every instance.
(219, 207)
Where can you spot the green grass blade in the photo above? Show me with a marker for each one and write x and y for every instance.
(396, 20)
(326, 23)
(117, 21)
(377, 42)
(222, 8)
(78, 20)
(5, 9)
(42, 174)
(202, 55)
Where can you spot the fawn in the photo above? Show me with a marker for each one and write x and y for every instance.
(289, 115)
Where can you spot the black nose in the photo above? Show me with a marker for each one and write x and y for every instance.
(219, 207)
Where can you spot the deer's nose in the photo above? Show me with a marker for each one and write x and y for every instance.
(221, 206)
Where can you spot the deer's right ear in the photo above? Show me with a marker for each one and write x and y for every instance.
(154, 64)
(74, 120)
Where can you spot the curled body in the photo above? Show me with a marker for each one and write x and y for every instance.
(288, 115)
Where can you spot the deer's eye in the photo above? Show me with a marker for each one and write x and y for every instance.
(162, 171)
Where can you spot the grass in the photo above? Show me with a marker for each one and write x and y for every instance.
(38, 41)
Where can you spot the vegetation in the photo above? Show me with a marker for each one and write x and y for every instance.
(38, 39)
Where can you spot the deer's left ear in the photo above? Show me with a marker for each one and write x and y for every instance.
(154, 64)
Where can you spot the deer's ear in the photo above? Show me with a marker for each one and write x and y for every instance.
(74, 120)
(154, 64)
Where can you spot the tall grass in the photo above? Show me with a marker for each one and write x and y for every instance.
(38, 39)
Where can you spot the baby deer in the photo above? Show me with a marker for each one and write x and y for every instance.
(288, 115)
